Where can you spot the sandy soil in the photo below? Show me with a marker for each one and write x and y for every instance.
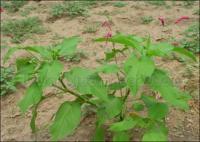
(183, 126)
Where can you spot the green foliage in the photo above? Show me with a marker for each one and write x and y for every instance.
(7, 80)
(191, 39)
(107, 99)
(21, 29)
(67, 119)
(91, 28)
(71, 8)
(13, 5)
(157, 2)
(146, 19)
(32, 96)
(119, 4)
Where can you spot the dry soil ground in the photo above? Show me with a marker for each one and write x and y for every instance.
(183, 126)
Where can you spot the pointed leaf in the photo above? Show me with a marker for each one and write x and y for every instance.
(9, 53)
(66, 120)
(32, 96)
(117, 85)
(185, 52)
(108, 68)
(87, 81)
(43, 51)
(137, 70)
(126, 124)
(68, 46)
(160, 82)
(158, 111)
(49, 73)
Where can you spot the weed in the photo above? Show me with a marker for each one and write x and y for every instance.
(191, 40)
(7, 82)
(188, 3)
(72, 9)
(91, 28)
(157, 2)
(13, 5)
(146, 19)
(45, 69)
(196, 12)
(26, 11)
(119, 4)
(21, 29)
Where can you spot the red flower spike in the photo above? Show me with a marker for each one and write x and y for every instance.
(181, 18)
(1, 10)
(108, 35)
(162, 20)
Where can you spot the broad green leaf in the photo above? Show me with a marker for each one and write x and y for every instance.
(117, 85)
(120, 136)
(137, 70)
(184, 52)
(99, 134)
(158, 111)
(10, 52)
(160, 49)
(68, 46)
(87, 81)
(25, 69)
(126, 124)
(154, 134)
(110, 55)
(113, 107)
(66, 120)
(49, 73)
(108, 68)
(138, 106)
(148, 100)
(43, 51)
(113, 53)
(127, 40)
(160, 82)
(32, 96)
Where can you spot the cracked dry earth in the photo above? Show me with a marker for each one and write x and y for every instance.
(183, 126)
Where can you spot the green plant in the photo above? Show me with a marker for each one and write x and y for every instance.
(108, 100)
(21, 29)
(191, 39)
(7, 81)
(146, 19)
(26, 11)
(91, 28)
(13, 5)
(157, 2)
(72, 9)
(119, 4)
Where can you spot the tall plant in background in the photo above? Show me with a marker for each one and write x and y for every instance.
(45, 70)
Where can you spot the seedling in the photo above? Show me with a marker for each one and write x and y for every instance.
(191, 39)
(146, 19)
(21, 29)
(108, 100)
(92, 28)
(119, 4)
(13, 5)
(7, 81)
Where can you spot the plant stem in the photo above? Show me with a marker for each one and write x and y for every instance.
(117, 72)
(66, 90)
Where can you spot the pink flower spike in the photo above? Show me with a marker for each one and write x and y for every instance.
(181, 18)
(108, 35)
(162, 20)
(1, 10)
